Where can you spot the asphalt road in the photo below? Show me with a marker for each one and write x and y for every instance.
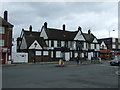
(70, 76)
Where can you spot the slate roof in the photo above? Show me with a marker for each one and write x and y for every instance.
(33, 33)
(31, 39)
(58, 34)
(67, 35)
(3, 22)
(89, 37)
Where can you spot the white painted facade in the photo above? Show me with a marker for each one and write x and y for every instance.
(67, 56)
(51, 54)
(49, 43)
(62, 43)
(92, 46)
(43, 34)
(45, 53)
(38, 53)
(79, 36)
(55, 43)
(82, 55)
(103, 46)
(85, 46)
(58, 54)
(97, 47)
(113, 46)
(74, 45)
(113, 39)
(76, 54)
(95, 40)
(23, 44)
(33, 45)
(90, 55)
(19, 57)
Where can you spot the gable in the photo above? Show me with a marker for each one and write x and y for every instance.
(23, 44)
(103, 44)
(33, 45)
(95, 40)
(43, 34)
(79, 36)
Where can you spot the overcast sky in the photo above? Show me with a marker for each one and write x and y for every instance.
(99, 17)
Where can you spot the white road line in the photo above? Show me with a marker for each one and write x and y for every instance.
(110, 66)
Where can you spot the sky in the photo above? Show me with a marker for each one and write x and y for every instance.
(100, 17)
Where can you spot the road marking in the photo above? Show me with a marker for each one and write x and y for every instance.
(110, 66)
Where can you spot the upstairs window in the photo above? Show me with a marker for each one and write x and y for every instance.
(1, 42)
(2, 30)
(59, 43)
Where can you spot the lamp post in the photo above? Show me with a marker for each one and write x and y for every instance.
(110, 31)
(34, 52)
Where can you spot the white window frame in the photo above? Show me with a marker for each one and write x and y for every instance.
(2, 30)
(45, 53)
(58, 54)
(2, 42)
(38, 53)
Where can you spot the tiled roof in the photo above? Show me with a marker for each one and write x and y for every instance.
(31, 39)
(33, 33)
(60, 34)
(89, 37)
(3, 22)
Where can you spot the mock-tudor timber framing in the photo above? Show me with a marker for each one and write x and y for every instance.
(54, 44)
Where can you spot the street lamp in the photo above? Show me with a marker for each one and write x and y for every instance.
(110, 31)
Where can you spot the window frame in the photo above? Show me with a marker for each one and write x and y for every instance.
(2, 30)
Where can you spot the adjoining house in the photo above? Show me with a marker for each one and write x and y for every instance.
(53, 44)
(5, 39)
(109, 47)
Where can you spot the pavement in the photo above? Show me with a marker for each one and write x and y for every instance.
(85, 62)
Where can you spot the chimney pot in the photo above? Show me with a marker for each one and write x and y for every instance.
(79, 28)
(89, 32)
(6, 15)
(30, 28)
(45, 25)
(64, 27)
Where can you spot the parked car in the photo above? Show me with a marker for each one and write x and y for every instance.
(115, 61)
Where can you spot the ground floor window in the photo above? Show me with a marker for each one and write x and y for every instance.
(38, 53)
(58, 53)
(45, 52)
(76, 54)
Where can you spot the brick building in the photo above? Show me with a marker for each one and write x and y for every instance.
(5, 39)
(109, 47)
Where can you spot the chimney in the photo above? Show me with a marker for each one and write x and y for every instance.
(45, 25)
(30, 28)
(79, 28)
(89, 32)
(63, 27)
(6, 15)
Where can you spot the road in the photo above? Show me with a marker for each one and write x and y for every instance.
(70, 76)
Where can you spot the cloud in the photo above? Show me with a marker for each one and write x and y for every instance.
(99, 17)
